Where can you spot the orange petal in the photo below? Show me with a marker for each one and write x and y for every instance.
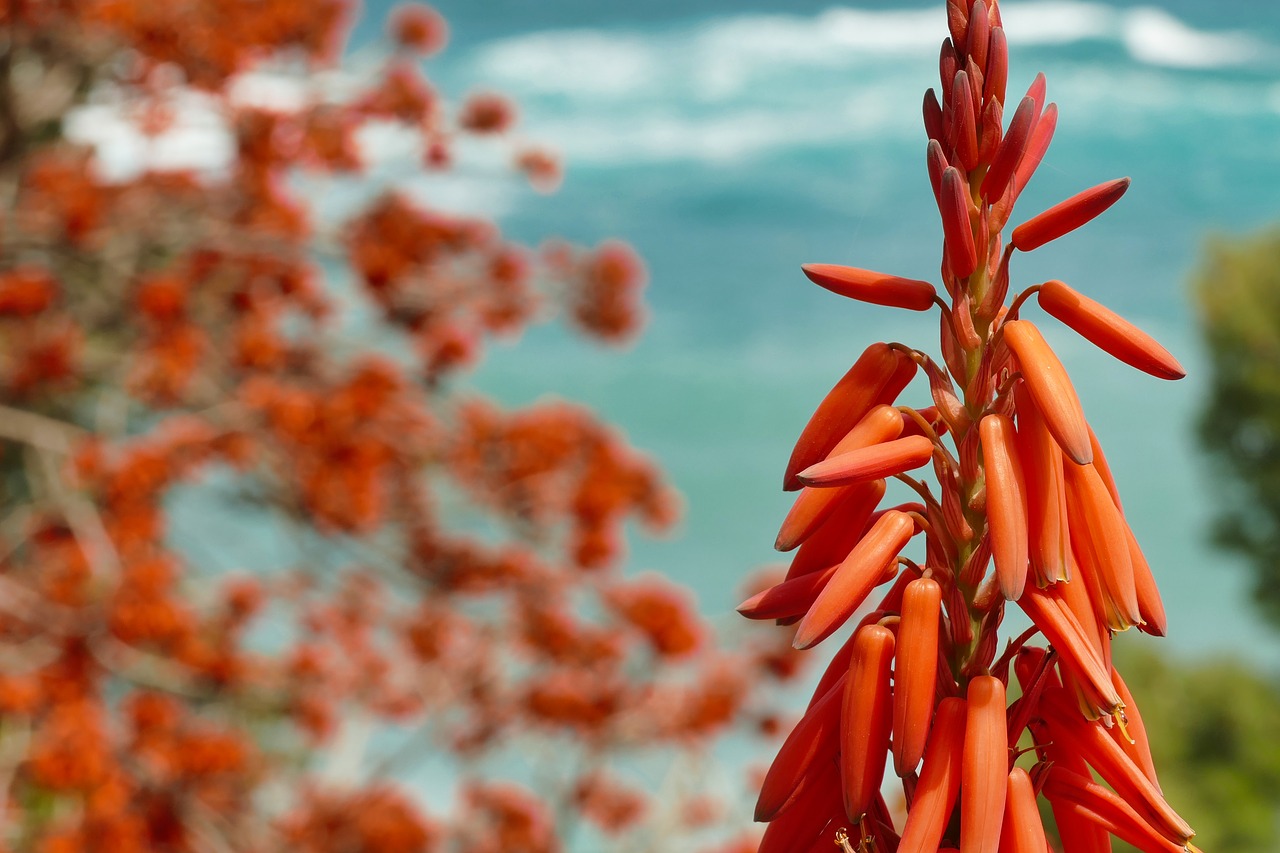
(932, 116)
(984, 778)
(1023, 831)
(802, 823)
(1081, 818)
(915, 673)
(870, 463)
(1108, 810)
(996, 76)
(865, 720)
(1006, 503)
(1051, 389)
(1079, 596)
(964, 121)
(1078, 836)
(1090, 740)
(1036, 91)
(1136, 745)
(1010, 151)
(1099, 540)
(979, 34)
(860, 572)
(1150, 605)
(789, 598)
(957, 24)
(879, 372)
(817, 734)
(935, 795)
(1041, 136)
(936, 163)
(843, 527)
(808, 511)
(992, 122)
(813, 506)
(1108, 331)
(1067, 216)
(1075, 649)
(1104, 469)
(874, 287)
(1048, 538)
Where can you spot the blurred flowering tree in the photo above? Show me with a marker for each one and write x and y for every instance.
(453, 591)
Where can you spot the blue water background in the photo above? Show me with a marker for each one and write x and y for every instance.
(731, 142)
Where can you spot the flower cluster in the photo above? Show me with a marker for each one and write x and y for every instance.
(1025, 510)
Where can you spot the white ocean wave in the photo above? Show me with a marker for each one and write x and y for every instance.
(712, 55)
(1155, 37)
(726, 137)
(741, 86)
(584, 63)
(1058, 22)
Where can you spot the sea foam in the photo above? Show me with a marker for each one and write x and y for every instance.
(732, 87)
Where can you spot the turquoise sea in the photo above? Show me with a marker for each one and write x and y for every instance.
(731, 142)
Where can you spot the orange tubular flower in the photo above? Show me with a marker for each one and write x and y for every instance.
(1010, 152)
(835, 537)
(1022, 831)
(1023, 508)
(935, 793)
(1054, 395)
(1100, 543)
(874, 287)
(1067, 216)
(1093, 802)
(986, 767)
(854, 579)
(865, 722)
(869, 463)
(915, 673)
(1041, 459)
(1006, 503)
(953, 200)
(814, 737)
(1108, 331)
(1090, 741)
(812, 506)
(881, 372)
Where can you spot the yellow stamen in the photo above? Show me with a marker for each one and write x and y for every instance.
(865, 844)
(1121, 719)
(868, 842)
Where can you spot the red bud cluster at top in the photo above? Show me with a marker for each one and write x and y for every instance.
(435, 580)
(1024, 510)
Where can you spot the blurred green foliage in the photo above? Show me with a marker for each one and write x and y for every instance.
(1237, 291)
